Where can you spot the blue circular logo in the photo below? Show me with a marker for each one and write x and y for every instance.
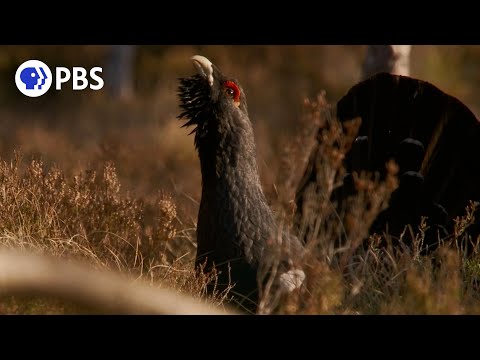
(33, 78)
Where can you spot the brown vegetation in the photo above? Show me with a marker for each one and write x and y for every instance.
(116, 184)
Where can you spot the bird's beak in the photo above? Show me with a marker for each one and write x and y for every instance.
(204, 67)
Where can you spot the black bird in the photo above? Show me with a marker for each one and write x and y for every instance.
(435, 140)
(237, 233)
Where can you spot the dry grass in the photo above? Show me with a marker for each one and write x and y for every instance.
(348, 272)
(86, 217)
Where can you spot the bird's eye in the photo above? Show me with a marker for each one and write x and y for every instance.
(233, 91)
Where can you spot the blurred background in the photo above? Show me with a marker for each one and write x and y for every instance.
(135, 126)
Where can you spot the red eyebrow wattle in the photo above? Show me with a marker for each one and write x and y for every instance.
(236, 91)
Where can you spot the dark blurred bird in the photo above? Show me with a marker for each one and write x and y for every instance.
(236, 230)
(434, 139)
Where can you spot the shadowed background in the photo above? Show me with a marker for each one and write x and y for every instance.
(83, 129)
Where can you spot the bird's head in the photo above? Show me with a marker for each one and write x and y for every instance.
(211, 101)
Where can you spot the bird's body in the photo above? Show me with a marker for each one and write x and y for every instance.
(433, 138)
(236, 228)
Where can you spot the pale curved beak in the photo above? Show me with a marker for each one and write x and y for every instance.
(204, 67)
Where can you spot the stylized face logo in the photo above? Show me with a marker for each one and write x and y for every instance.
(33, 78)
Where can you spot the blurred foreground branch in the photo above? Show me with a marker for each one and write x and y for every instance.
(29, 274)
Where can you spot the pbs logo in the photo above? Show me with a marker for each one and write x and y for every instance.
(34, 78)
